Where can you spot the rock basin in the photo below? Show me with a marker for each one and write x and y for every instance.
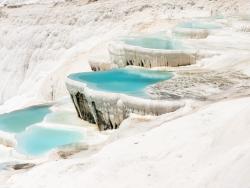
(242, 24)
(107, 98)
(194, 29)
(17, 121)
(23, 130)
(38, 140)
(150, 51)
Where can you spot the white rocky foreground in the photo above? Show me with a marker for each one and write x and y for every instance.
(209, 148)
(204, 144)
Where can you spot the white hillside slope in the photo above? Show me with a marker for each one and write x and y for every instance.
(41, 43)
(209, 148)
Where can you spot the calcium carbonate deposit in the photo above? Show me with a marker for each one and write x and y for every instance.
(107, 98)
(186, 124)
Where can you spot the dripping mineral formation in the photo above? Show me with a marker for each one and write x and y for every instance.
(109, 109)
(150, 52)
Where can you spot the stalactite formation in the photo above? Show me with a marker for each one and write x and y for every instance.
(125, 55)
(108, 110)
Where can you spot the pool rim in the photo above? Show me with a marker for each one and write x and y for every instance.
(85, 84)
(124, 46)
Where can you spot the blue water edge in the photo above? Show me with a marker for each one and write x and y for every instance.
(126, 80)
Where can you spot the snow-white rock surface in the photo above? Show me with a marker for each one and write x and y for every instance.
(209, 148)
(42, 42)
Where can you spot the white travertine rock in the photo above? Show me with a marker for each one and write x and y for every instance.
(242, 26)
(191, 33)
(97, 65)
(108, 110)
(125, 55)
(7, 139)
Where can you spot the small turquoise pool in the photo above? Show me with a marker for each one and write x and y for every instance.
(126, 80)
(39, 140)
(32, 139)
(199, 25)
(154, 43)
(218, 16)
(18, 121)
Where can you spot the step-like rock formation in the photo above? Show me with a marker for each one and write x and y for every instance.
(242, 26)
(190, 33)
(124, 55)
(195, 29)
(97, 65)
(108, 110)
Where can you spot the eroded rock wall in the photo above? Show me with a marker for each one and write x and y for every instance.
(125, 55)
(101, 66)
(108, 110)
(242, 26)
(191, 33)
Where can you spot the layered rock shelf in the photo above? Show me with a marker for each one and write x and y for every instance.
(123, 54)
(108, 110)
(196, 30)
(191, 33)
(242, 26)
(97, 65)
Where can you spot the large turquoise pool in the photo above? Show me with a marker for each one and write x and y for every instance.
(18, 121)
(39, 140)
(199, 25)
(126, 80)
(154, 43)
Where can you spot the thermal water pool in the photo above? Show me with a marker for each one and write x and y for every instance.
(151, 51)
(33, 139)
(195, 29)
(18, 121)
(107, 98)
(199, 25)
(38, 140)
(126, 80)
(154, 43)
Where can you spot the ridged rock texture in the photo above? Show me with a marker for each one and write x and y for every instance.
(242, 26)
(108, 110)
(191, 33)
(100, 65)
(125, 55)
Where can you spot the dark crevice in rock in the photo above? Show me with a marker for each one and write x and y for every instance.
(85, 110)
(23, 166)
(93, 68)
(111, 125)
(102, 124)
(142, 64)
(77, 110)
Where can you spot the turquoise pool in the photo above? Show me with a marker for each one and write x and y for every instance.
(154, 43)
(199, 25)
(126, 80)
(18, 121)
(39, 140)
(32, 139)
